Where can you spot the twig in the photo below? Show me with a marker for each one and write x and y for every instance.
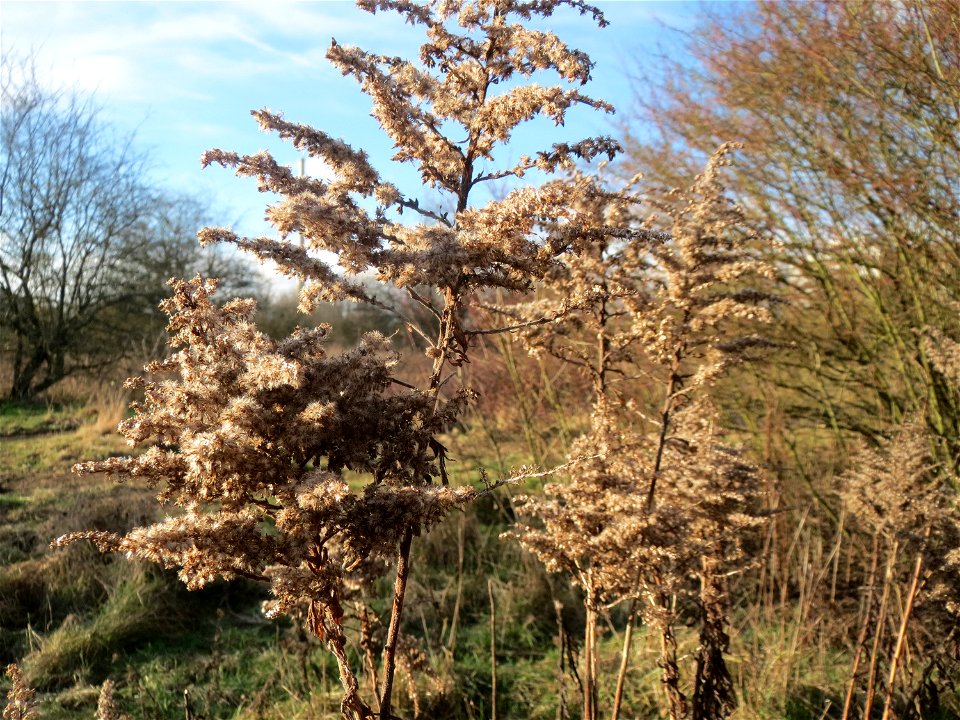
(415, 206)
(397, 381)
(423, 301)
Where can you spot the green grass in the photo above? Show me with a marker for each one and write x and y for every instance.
(83, 650)
(34, 418)
(46, 457)
(75, 617)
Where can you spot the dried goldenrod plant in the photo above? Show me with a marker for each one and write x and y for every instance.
(296, 467)
(107, 706)
(251, 439)
(899, 493)
(662, 498)
(21, 703)
(582, 316)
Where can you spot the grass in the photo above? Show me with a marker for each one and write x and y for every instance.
(75, 617)
(220, 665)
(83, 650)
(46, 458)
(19, 419)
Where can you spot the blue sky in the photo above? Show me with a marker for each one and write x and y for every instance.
(184, 76)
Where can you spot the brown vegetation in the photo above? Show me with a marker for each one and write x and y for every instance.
(747, 388)
(254, 438)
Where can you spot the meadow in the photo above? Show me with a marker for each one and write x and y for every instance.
(76, 618)
(588, 442)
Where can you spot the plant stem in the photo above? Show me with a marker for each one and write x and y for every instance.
(366, 644)
(393, 632)
(669, 671)
(325, 624)
(878, 631)
(493, 652)
(673, 385)
(713, 694)
(561, 668)
(455, 620)
(902, 635)
(864, 627)
(624, 661)
(590, 663)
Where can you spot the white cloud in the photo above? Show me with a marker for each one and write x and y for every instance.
(185, 74)
(320, 20)
(152, 51)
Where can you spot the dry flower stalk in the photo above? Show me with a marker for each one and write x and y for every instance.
(250, 438)
(662, 497)
(251, 441)
(21, 703)
(107, 707)
(900, 494)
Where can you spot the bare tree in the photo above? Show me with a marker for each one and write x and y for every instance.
(85, 242)
(849, 114)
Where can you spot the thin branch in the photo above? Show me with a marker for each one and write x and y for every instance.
(423, 301)
(415, 206)
(511, 328)
(403, 384)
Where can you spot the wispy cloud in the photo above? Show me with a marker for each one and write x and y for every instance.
(139, 51)
(184, 75)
